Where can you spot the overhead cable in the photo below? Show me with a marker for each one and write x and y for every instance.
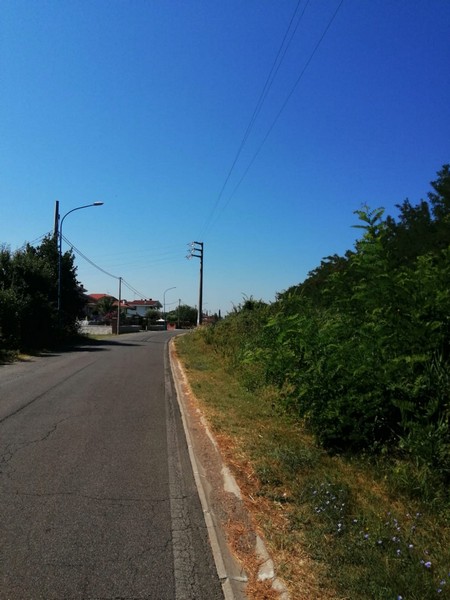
(267, 85)
(283, 106)
(68, 242)
(132, 289)
(128, 285)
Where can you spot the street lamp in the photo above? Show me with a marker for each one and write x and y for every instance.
(60, 248)
(164, 304)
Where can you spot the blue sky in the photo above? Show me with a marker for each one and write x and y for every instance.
(143, 105)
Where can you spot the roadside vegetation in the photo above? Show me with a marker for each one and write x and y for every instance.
(29, 318)
(335, 400)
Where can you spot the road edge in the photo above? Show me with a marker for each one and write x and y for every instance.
(230, 574)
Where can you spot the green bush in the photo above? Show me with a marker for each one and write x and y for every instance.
(361, 349)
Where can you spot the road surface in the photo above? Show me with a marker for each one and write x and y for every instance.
(97, 498)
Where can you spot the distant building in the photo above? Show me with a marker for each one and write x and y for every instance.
(130, 308)
(140, 308)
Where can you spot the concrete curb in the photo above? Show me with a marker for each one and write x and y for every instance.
(217, 549)
(231, 578)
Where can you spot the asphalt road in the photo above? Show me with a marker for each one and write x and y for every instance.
(97, 497)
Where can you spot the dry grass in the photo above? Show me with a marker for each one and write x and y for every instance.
(279, 469)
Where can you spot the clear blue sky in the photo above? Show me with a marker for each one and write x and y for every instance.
(143, 104)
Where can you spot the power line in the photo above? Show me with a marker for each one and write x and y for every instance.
(283, 106)
(126, 283)
(35, 241)
(267, 85)
(88, 259)
(132, 289)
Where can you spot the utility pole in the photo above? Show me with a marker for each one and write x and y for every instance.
(196, 250)
(118, 307)
(56, 227)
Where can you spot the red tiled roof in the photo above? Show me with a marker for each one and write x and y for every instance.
(143, 302)
(97, 297)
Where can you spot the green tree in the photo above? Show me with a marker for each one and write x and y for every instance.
(184, 314)
(28, 296)
(105, 305)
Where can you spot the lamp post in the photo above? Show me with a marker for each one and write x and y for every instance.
(60, 248)
(164, 304)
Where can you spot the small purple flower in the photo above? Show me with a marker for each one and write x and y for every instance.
(428, 564)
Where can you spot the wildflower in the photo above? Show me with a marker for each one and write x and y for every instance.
(398, 551)
(399, 597)
(428, 564)
(410, 546)
(366, 536)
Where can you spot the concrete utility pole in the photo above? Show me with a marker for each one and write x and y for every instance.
(56, 228)
(196, 250)
(118, 307)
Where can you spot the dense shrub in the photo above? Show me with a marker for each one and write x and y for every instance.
(361, 349)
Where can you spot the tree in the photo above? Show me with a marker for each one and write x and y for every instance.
(28, 296)
(184, 314)
(105, 305)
